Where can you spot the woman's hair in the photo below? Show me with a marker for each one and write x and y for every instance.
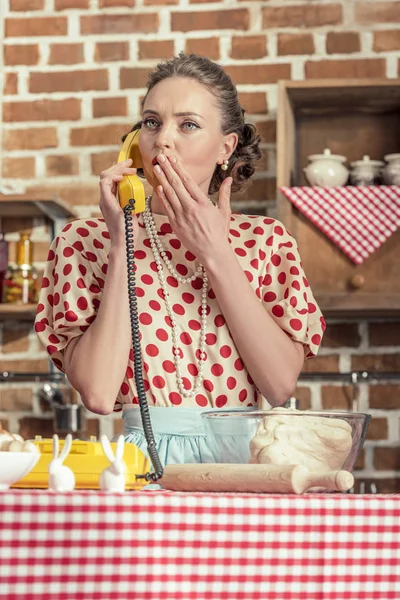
(213, 77)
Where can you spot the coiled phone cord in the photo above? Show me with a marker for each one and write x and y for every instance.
(137, 354)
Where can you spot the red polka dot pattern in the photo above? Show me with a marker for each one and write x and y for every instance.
(75, 277)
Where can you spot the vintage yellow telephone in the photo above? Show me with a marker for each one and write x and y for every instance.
(131, 187)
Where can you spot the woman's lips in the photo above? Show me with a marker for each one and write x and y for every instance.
(154, 161)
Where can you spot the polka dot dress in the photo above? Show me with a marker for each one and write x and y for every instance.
(71, 294)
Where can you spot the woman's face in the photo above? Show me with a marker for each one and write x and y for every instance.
(180, 119)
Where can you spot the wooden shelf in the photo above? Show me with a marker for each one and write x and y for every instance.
(351, 118)
(34, 206)
(24, 312)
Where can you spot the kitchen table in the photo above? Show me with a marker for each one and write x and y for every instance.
(163, 545)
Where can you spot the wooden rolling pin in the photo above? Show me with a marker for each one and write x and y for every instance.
(281, 479)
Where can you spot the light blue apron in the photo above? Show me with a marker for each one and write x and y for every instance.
(179, 433)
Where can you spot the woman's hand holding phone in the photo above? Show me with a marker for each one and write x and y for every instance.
(201, 226)
(109, 203)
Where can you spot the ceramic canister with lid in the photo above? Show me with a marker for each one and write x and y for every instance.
(366, 171)
(326, 169)
(391, 173)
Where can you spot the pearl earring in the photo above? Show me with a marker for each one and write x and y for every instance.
(224, 166)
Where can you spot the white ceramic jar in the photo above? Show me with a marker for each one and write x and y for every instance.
(366, 171)
(326, 169)
(391, 173)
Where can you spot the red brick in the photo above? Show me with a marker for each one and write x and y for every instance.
(21, 55)
(119, 23)
(30, 139)
(338, 335)
(20, 168)
(378, 429)
(15, 339)
(371, 13)
(101, 161)
(62, 165)
(22, 365)
(249, 47)
(347, 69)
(24, 5)
(386, 41)
(118, 425)
(69, 81)
(110, 107)
(10, 84)
(337, 397)
(159, 2)
(93, 427)
(38, 26)
(295, 43)
(267, 131)
(383, 486)
(133, 78)
(66, 54)
(156, 49)
(31, 426)
(15, 399)
(322, 363)
(303, 397)
(305, 15)
(114, 3)
(342, 42)
(111, 51)
(384, 334)
(210, 20)
(376, 362)
(68, 4)
(102, 135)
(386, 397)
(253, 74)
(43, 110)
(360, 462)
(387, 459)
(254, 103)
(204, 47)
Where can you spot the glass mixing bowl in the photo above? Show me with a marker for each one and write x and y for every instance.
(291, 437)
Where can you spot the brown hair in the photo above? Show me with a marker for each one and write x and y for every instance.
(213, 77)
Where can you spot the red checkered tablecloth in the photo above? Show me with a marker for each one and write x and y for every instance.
(357, 219)
(165, 545)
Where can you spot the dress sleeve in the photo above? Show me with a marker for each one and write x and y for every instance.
(69, 298)
(286, 293)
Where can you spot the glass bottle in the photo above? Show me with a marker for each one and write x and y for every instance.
(21, 282)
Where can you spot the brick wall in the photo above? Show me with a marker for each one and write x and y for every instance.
(72, 78)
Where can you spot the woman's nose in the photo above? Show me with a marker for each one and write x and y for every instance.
(165, 138)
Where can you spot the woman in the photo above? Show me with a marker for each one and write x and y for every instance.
(226, 313)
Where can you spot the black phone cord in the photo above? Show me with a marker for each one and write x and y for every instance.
(137, 354)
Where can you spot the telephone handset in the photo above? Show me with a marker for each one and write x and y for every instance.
(131, 187)
(132, 199)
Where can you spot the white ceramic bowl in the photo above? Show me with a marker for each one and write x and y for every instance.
(230, 432)
(14, 466)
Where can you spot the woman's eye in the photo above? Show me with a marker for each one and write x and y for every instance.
(148, 121)
(191, 123)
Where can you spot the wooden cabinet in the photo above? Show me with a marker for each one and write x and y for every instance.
(352, 118)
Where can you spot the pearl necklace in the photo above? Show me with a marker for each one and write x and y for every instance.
(160, 253)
